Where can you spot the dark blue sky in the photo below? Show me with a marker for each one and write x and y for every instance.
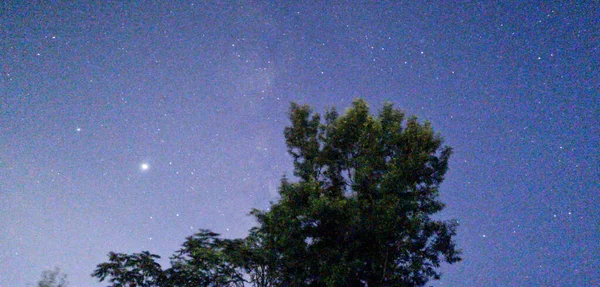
(199, 92)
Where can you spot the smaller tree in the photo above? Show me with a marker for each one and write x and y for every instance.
(138, 269)
(252, 258)
(53, 278)
(203, 260)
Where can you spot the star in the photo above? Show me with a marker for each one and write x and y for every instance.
(144, 166)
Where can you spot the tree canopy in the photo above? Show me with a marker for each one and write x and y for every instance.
(358, 213)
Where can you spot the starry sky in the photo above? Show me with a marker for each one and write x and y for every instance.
(129, 126)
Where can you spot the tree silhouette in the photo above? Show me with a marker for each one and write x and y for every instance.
(203, 260)
(138, 269)
(53, 278)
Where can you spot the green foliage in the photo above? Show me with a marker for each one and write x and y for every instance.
(359, 213)
(138, 269)
(53, 278)
(203, 260)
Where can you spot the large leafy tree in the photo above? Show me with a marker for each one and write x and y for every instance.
(360, 211)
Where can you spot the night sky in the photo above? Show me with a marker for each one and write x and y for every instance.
(127, 127)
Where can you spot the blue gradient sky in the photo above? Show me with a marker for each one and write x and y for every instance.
(199, 92)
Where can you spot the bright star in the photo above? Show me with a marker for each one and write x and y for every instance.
(144, 166)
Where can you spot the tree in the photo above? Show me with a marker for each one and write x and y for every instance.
(360, 212)
(138, 269)
(203, 260)
(53, 278)
(251, 256)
